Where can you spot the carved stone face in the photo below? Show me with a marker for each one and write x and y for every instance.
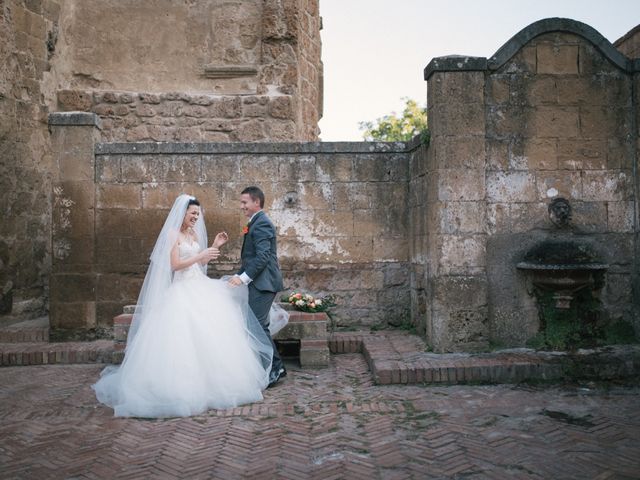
(560, 212)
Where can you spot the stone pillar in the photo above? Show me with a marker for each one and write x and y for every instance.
(636, 194)
(457, 318)
(73, 278)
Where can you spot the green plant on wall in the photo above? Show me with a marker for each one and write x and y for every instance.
(583, 325)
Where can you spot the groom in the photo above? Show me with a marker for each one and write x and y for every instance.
(260, 269)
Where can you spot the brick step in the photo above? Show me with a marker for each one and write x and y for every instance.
(100, 351)
(30, 331)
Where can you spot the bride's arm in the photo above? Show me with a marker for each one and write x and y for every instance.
(204, 257)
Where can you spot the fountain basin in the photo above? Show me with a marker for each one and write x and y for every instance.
(563, 268)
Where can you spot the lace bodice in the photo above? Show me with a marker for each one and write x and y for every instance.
(186, 250)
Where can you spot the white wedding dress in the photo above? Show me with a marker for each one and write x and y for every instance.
(197, 350)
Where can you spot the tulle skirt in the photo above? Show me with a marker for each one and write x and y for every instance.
(201, 347)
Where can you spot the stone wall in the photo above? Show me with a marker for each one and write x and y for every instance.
(26, 30)
(550, 115)
(206, 71)
(343, 234)
(629, 44)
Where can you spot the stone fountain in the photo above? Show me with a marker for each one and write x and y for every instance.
(563, 266)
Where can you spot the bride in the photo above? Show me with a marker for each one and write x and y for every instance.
(194, 343)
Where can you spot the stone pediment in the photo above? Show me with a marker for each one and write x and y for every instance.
(454, 63)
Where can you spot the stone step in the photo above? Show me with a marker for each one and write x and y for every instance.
(100, 351)
(29, 331)
(396, 358)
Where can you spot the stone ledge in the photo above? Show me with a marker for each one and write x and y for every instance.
(397, 358)
(75, 119)
(175, 148)
(455, 63)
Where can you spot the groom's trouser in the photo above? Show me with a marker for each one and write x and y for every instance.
(260, 303)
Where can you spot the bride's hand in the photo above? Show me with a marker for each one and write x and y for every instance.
(220, 239)
(209, 254)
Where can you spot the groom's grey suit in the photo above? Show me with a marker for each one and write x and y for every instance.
(259, 257)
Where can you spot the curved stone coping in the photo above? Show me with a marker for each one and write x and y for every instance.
(519, 40)
(173, 148)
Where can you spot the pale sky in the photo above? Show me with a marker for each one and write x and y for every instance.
(375, 51)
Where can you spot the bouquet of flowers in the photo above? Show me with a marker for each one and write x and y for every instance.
(308, 303)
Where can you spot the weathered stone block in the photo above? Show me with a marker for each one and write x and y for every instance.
(460, 152)
(281, 107)
(558, 183)
(298, 168)
(330, 223)
(620, 154)
(314, 357)
(72, 253)
(497, 89)
(516, 217)
(354, 249)
(620, 216)
(582, 154)
(74, 100)
(463, 87)
(505, 121)
(554, 122)
(118, 288)
(497, 154)
(542, 90)
(183, 168)
(73, 151)
(513, 325)
(606, 185)
(511, 187)
(72, 315)
(461, 217)
(352, 196)
(459, 292)
(143, 168)
(459, 254)
(119, 196)
(618, 289)
(335, 167)
(604, 122)
(220, 168)
(300, 330)
(460, 185)
(387, 248)
(226, 107)
(70, 287)
(454, 118)
(541, 154)
(589, 216)
(557, 59)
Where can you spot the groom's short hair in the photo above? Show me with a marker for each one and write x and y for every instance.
(255, 193)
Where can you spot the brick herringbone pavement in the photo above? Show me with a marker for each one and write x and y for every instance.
(323, 424)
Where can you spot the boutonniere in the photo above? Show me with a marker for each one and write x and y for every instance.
(245, 229)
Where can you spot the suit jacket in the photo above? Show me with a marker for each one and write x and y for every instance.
(260, 254)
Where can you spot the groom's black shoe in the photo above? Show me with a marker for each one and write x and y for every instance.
(275, 375)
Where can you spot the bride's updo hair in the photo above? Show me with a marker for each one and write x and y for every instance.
(193, 201)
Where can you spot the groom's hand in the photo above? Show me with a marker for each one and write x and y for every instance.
(235, 281)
